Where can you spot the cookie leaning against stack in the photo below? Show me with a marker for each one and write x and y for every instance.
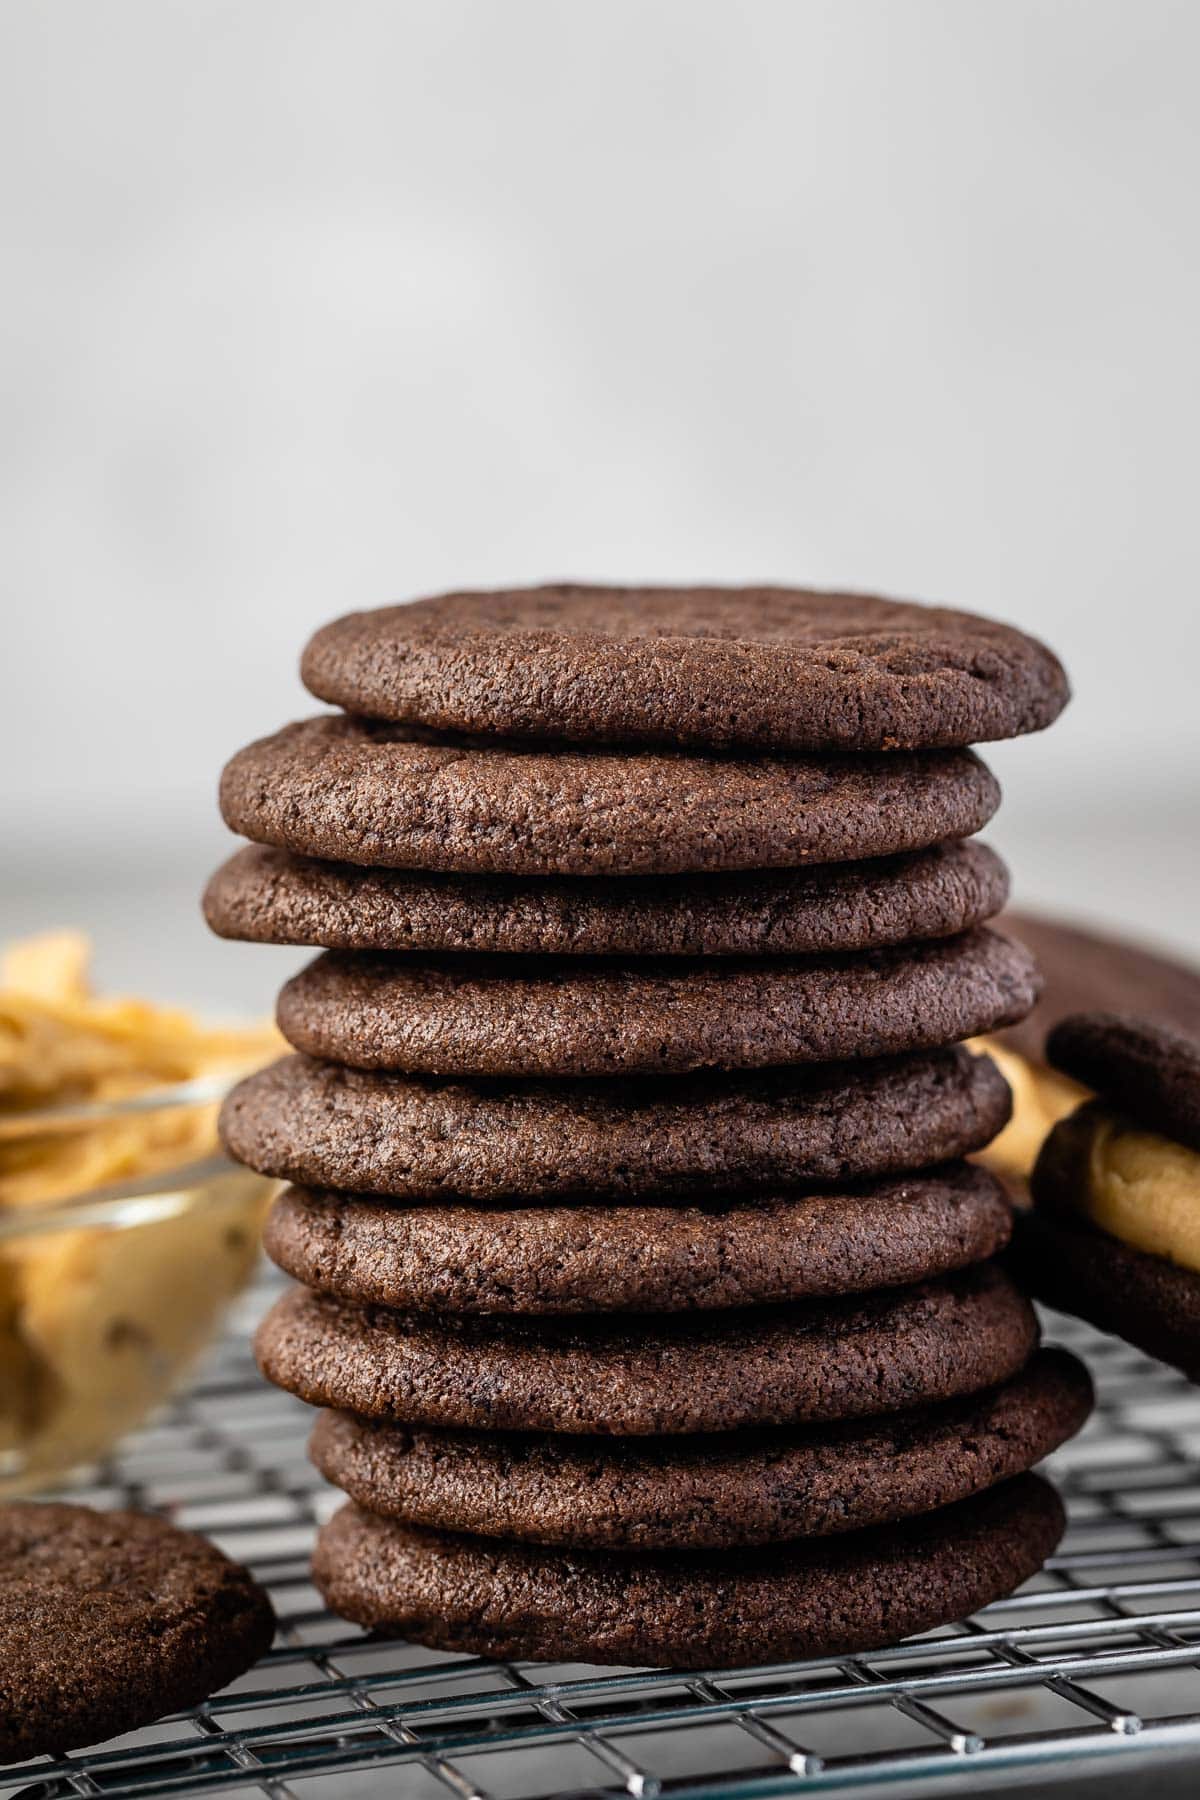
(650, 1300)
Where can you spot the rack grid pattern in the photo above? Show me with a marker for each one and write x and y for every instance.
(1097, 1658)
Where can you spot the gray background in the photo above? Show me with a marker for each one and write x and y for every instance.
(309, 306)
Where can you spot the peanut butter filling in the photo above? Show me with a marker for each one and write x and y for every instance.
(1136, 1185)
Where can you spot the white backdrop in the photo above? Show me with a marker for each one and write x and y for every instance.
(310, 305)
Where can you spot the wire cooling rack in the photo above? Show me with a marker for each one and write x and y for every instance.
(1092, 1667)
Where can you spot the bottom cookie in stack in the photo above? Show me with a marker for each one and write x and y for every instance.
(813, 1598)
(798, 1469)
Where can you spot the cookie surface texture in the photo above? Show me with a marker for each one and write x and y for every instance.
(414, 1137)
(648, 1376)
(828, 1596)
(756, 667)
(109, 1620)
(386, 796)
(540, 1017)
(268, 896)
(639, 1257)
(711, 1492)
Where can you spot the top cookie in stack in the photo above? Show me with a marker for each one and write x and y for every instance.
(703, 668)
(651, 927)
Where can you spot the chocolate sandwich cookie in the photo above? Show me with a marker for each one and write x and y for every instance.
(1142, 1069)
(763, 668)
(633, 1376)
(517, 1016)
(269, 896)
(634, 1257)
(706, 1493)
(417, 1138)
(1080, 971)
(1116, 1237)
(1149, 1301)
(822, 1597)
(108, 1620)
(393, 797)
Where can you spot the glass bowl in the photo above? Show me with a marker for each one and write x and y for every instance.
(109, 1293)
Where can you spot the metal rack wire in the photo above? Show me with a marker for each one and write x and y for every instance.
(1097, 1659)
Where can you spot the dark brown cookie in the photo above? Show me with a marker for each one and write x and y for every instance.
(1084, 971)
(724, 1609)
(707, 1493)
(546, 1017)
(271, 897)
(328, 1127)
(1146, 1071)
(633, 1376)
(756, 667)
(1146, 1300)
(633, 1257)
(386, 796)
(109, 1620)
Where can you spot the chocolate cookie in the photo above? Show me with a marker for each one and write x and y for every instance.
(109, 1620)
(821, 1597)
(763, 668)
(271, 897)
(632, 1376)
(324, 1126)
(1146, 1071)
(516, 1016)
(706, 1493)
(632, 1257)
(1084, 971)
(386, 795)
(1146, 1300)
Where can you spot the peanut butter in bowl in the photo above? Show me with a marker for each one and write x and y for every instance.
(123, 1232)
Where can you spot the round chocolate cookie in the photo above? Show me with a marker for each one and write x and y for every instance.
(389, 796)
(728, 1609)
(1150, 1302)
(516, 1016)
(634, 1257)
(1146, 1071)
(707, 1493)
(417, 1138)
(632, 1376)
(108, 1620)
(268, 896)
(763, 668)
(1084, 971)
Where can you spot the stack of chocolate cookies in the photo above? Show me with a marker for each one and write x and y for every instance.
(652, 1302)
